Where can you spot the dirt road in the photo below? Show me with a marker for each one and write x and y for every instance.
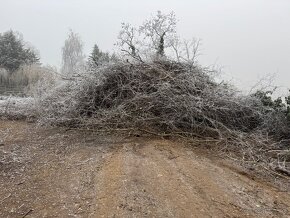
(60, 173)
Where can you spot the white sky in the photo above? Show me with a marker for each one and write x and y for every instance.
(249, 38)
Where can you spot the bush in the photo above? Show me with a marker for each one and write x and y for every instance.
(276, 120)
(26, 77)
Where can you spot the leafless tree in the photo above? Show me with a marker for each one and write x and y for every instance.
(191, 50)
(175, 45)
(128, 41)
(159, 29)
(185, 50)
(72, 54)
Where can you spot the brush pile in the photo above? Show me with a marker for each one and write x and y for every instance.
(164, 97)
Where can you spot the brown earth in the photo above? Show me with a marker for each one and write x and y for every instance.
(68, 173)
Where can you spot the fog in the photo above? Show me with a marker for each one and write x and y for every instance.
(248, 39)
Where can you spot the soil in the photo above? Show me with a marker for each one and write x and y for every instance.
(57, 172)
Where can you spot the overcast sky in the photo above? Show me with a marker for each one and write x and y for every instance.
(248, 38)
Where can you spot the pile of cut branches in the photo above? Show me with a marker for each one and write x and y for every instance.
(164, 96)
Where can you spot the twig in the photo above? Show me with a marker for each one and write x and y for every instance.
(283, 171)
(5, 198)
(276, 173)
(27, 213)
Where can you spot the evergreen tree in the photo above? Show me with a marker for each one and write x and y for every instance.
(13, 52)
(95, 56)
(98, 57)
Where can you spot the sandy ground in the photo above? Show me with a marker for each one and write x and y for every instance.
(60, 173)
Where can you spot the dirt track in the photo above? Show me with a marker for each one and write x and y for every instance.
(59, 173)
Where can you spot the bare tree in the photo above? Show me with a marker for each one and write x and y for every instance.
(159, 33)
(191, 50)
(176, 45)
(128, 41)
(185, 50)
(159, 29)
(72, 54)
